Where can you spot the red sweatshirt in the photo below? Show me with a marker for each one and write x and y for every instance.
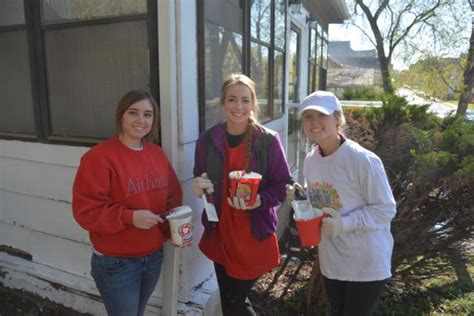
(111, 183)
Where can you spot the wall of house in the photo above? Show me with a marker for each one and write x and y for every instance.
(36, 223)
(36, 220)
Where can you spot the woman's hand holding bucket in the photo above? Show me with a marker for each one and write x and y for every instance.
(331, 226)
(243, 190)
(239, 203)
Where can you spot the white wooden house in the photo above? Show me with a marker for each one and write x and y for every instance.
(63, 66)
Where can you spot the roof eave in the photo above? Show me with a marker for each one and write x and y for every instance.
(327, 11)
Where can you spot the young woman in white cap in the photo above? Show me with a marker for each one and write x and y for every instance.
(350, 183)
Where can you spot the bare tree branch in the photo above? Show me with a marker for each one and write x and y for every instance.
(364, 32)
(382, 7)
(418, 19)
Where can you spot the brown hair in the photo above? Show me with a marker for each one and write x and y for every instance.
(130, 98)
(253, 124)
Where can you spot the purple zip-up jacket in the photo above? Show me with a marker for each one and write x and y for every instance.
(268, 159)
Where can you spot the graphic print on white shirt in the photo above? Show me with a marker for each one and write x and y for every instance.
(323, 194)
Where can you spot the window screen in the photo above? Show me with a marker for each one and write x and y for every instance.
(16, 103)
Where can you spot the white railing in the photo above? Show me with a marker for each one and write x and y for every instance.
(376, 104)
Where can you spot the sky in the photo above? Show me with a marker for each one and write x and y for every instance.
(340, 32)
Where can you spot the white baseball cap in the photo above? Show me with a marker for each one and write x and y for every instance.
(321, 101)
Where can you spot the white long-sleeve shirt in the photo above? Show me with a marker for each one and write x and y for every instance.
(353, 181)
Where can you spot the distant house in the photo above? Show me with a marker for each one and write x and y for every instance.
(351, 68)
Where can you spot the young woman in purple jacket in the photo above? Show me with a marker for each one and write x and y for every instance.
(242, 244)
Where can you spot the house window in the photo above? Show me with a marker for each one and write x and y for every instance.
(260, 48)
(222, 54)
(317, 59)
(224, 47)
(16, 103)
(279, 58)
(259, 68)
(293, 80)
(313, 69)
(86, 56)
(293, 96)
(241, 36)
(324, 53)
(324, 60)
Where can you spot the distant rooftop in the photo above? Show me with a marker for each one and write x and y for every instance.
(342, 53)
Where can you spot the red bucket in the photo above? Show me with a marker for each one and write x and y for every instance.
(309, 230)
(244, 185)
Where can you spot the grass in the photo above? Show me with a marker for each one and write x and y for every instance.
(440, 295)
(440, 299)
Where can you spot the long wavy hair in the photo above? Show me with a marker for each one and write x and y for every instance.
(253, 123)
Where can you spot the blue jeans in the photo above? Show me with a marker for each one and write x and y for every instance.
(126, 284)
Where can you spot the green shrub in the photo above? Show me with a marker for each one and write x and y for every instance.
(465, 173)
(458, 136)
(430, 164)
(395, 110)
(363, 94)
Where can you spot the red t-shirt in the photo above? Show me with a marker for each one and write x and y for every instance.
(232, 243)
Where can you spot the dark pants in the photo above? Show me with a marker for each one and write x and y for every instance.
(353, 298)
(234, 294)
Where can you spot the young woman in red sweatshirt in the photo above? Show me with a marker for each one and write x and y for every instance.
(121, 187)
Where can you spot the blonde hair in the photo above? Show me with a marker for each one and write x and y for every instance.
(341, 120)
(253, 123)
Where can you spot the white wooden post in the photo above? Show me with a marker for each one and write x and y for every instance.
(169, 121)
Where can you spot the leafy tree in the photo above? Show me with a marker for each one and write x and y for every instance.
(437, 76)
(466, 93)
(430, 165)
(405, 24)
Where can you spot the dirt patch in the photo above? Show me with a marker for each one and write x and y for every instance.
(283, 291)
(16, 302)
